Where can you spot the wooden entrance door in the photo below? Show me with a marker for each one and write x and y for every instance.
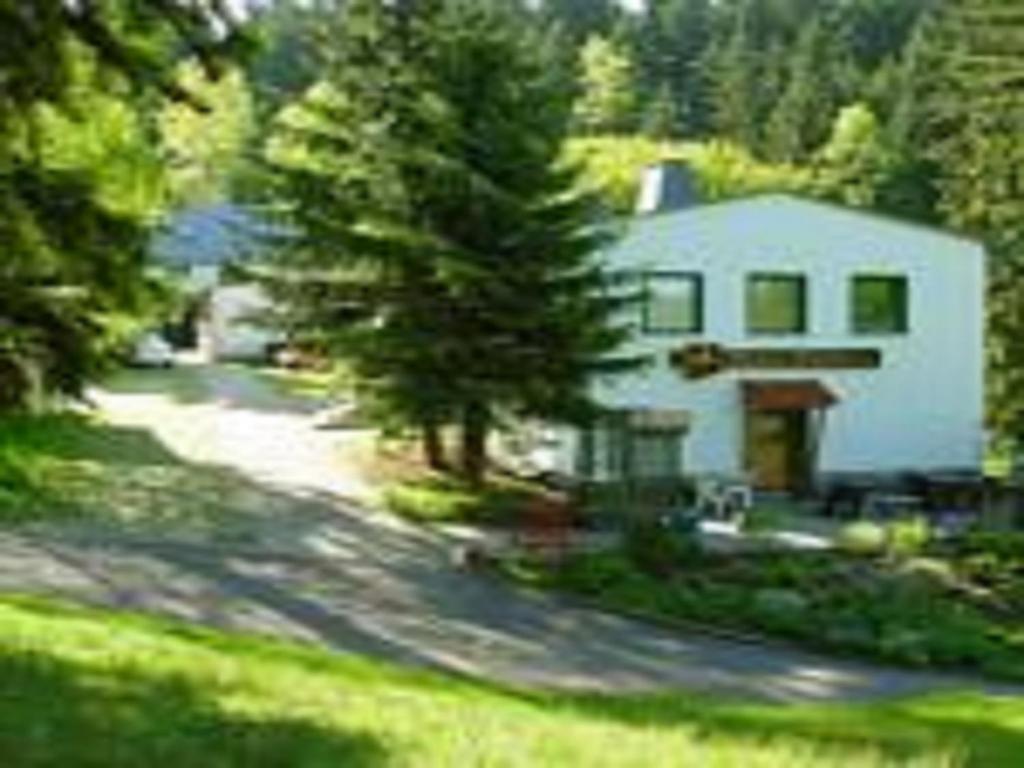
(777, 449)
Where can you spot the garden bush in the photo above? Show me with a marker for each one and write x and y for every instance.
(862, 538)
(444, 500)
(657, 549)
(917, 611)
(1002, 545)
(907, 537)
(780, 609)
(764, 518)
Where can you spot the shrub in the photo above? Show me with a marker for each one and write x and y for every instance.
(655, 549)
(780, 609)
(907, 537)
(904, 644)
(1005, 546)
(764, 519)
(447, 501)
(428, 504)
(597, 572)
(862, 538)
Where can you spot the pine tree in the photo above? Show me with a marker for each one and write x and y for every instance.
(905, 94)
(802, 118)
(977, 118)
(76, 184)
(607, 102)
(440, 246)
(685, 28)
(581, 19)
(855, 166)
(733, 89)
(661, 119)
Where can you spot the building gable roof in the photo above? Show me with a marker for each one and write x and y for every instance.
(802, 206)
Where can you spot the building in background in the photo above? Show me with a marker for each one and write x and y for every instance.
(228, 318)
(789, 340)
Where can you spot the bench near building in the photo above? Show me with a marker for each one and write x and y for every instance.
(789, 340)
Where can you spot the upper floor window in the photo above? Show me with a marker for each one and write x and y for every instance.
(776, 303)
(880, 304)
(673, 303)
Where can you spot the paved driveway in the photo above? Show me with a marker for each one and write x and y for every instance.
(309, 563)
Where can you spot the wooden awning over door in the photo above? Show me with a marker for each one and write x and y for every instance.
(792, 395)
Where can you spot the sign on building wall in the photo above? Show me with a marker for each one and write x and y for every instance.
(698, 361)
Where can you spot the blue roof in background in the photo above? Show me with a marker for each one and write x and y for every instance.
(211, 235)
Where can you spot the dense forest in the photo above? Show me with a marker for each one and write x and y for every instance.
(914, 108)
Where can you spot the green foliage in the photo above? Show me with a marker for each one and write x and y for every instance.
(286, 63)
(904, 538)
(780, 610)
(204, 149)
(581, 19)
(937, 613)
(765, 518)
(80, 181)
(862, 538)
(607, 102)
(973, 119)
(1003, 545)
(443, 500)
(612, 165)
(123, 691)
(676, 35)
(801, 120)
(440, 246)
(657, 549)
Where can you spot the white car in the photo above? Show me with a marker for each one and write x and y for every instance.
(152, 351)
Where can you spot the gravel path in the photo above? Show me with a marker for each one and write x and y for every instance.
(318, 567)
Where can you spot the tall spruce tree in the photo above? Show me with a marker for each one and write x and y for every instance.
(607, 99)
(440, 246)
(581, 19)
(353, 164)
(733, 87)
(976, 117)
(685, 28)
(802, 118)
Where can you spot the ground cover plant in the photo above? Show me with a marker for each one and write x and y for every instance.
(445, 499)
(954, 605)
(85, 687)
(77, 466)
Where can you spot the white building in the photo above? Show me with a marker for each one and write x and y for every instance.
(203, 242)
(789, 339)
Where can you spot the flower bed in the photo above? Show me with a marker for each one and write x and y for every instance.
(961, 606)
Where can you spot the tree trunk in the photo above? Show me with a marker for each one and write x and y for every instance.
(475, 429)
(433, 447)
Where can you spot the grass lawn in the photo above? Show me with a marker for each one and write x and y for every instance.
(69, 466)
(438, 499)
(182, 384)
(82, 687)
(300, 383)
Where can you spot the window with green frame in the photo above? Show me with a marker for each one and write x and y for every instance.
(611, 450)
(880, 304)
(656, 454)
(776, 303)
(673, 302)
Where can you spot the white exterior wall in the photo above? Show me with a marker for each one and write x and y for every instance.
(923, 409)
(228, 333)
